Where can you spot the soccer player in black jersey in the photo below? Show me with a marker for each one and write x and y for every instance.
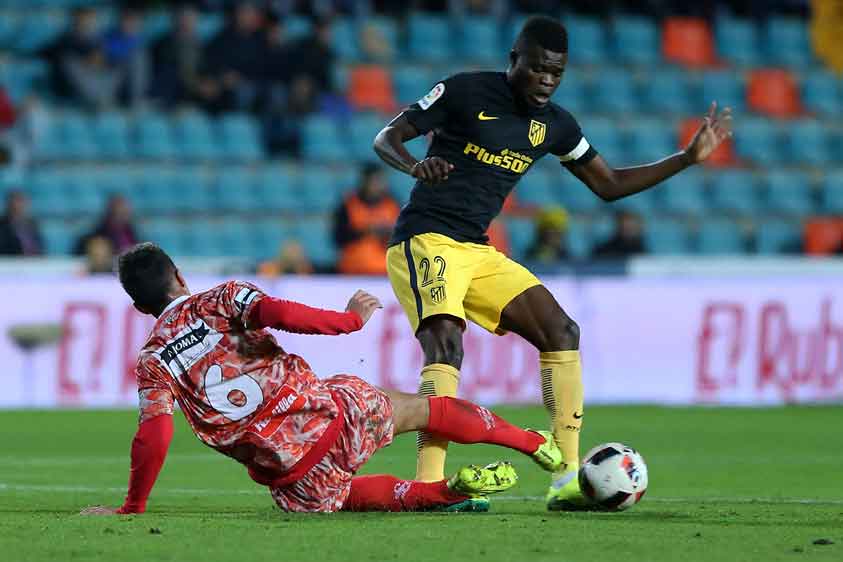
(488, 130)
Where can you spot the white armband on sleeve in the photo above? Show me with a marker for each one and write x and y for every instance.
(581, 148)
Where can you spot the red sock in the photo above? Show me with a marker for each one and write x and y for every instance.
(382, 492)
(462, 421)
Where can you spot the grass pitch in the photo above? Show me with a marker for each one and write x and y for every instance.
(725, 484)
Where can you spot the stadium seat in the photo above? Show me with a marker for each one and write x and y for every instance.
(154, 137)
(296, 26)
(234, 237)
(38, 29)
(370, 88)
(82, 196)
(667, 91)
(808, 142)
(688, 41)
(235, 191)
(480, 39)
(400, 184)
(346, 39)
(194, 137)
(521, 234)
(684, 193)
(773, 92)
(320, 190)
(574, 92)
(9, 24)
(724, 87)
(46, 189)
(614, 92)
(579, 239)
(778, 237)
(59, 237)
(430, 37)
(156, 23)
(758, 140)
(279, 189)
(822, 93)
(534, 190)
(832, 193)
(721, 237)
(239, 137)
(362, 130)
(734, 191)
(316, 236)
(202, 237)
(636, 40)
(738, 41)
(573, 195)
(267, 237)
(789, 192)
(788, 42)
(191, 190)
(321, 140)
(723, 156)
(209, 25)
(384, 31)
(411, 83)
(650, 140)
(76, 135)
(605, 136)
(111, 135)
(667, 236)
(586, 40)
(154, 186)
(642, 203)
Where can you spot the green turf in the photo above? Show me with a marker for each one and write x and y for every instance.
(725, 484)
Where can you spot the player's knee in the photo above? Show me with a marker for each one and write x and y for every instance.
(442, 343)
(564, 335)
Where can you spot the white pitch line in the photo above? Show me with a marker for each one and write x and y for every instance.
(5, 487)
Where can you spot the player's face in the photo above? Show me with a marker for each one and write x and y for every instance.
(536, 74)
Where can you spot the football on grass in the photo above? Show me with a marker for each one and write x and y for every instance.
(613, 476)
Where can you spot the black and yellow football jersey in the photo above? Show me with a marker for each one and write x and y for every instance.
(492, 139)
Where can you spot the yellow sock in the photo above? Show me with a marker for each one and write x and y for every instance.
(437, 379)
(561, 376)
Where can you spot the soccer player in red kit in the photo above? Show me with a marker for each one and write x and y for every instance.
(302, 437)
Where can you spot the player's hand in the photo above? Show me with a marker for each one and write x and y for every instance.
(364, 305)
(432, 170)
(715, 128)
(100, 510)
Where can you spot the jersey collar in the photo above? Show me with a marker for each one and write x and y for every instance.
(174, 303)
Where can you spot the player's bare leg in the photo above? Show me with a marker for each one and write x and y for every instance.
(441, 340)
(537, 317)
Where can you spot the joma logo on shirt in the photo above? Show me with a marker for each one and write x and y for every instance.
(188, 340)
(188, 347)
(507, 159)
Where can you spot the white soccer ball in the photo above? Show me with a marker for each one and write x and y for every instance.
(613, 476)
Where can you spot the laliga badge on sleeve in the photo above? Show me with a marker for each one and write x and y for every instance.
(432, 96)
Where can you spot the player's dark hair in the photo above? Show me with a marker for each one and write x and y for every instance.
(544, 31)
(146, 273)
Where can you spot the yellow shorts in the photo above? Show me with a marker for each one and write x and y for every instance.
(433, 274)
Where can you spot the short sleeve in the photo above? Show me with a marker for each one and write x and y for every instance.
(238, 299)
(572, 147)
(436, 107)
(154, 395)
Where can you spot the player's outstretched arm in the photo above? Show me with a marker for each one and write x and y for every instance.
(389, 146)
(611, 184)
(298, 318)
(149, 449)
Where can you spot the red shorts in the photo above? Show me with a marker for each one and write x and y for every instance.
(368, 427)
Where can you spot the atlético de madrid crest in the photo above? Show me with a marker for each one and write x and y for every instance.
(537, 131)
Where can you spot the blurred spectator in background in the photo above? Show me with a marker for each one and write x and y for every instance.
(627, 239)
(99, 256)
(19, 233)
(312, 59)
(126, 53)
(116, 226)
(291, 260)
(233, 61)
(177, 60)
(549, 247)
(76, 43)
(363, 224)
(7, 122)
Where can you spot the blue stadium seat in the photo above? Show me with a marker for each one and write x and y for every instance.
(202, 238)
(480, 39)
(822, 93)
(636, 40)
(9, 24)
(387, 30)
(573, 195)
(21, 77)
(209, 24)
(586, 40)
(574, 92)
(738, 41)
(346, 39)
(832, 193)
(321, 140)
(316, 236)
(808, 142)
(279, 189)
(77, 138)
(605, 136)
(789, 192)
(46, 189)
(411, 83)
(155, 24)
(721, 237)
(724, 87)
(362, 130)
(59, 237)
(512, 29)
(642, 203)
(667, 236)
(236, 191)
(734, 191)
(240, 137)
(614, 92)
(684, 194)
(778, 237)
(321, 190)
(296, 26)
(430, 37)
(111, 134)
(154, 188)
(154, 137)
(267, 237)
(579, 239)
(758, 140)
(166, 233)
(534, 189)
(521, 234)
(234, 238)
(194, 137)
(82, 194)
(650, 140)
(192, 190)
(38, 29)
(788, 42)
(668, 91)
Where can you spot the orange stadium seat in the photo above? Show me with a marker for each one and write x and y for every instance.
(688, 41)
(370, 87)
(723, 156)
(823, 236)
(773, 92)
